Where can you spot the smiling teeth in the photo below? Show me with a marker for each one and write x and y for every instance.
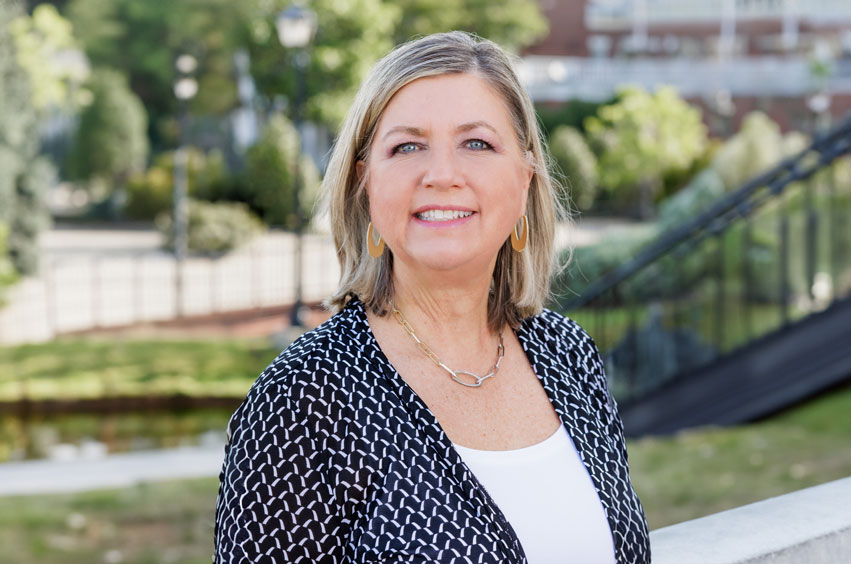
(443, 215)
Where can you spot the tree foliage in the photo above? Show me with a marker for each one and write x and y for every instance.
(8, 274)
(24, 176)
(757, 146)
(143, 40)
(214, 227)
(152, 192)
(47, 51)
(111, 141)
(642, 137)
(270, 175)
(513, 24)
(351, 36)
(577, 163)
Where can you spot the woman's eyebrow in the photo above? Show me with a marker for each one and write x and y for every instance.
(404, 129)
(410, 130)
(474, 124)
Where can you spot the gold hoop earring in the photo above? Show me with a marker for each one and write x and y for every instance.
(374, 246)
(519, 237)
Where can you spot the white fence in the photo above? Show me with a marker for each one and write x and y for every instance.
(86, 290)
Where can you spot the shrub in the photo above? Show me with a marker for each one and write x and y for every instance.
(214, 227)
(578, 165)
(151, 193)
(642, 138)
(589, 264)
(8, 275)
(270, 175)
(111, 141)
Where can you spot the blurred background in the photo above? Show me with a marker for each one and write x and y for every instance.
(160, 244)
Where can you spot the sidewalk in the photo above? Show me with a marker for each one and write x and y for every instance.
(112, 471)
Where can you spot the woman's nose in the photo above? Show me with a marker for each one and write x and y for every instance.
(442, 169)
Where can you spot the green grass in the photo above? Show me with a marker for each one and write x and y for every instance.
(80, 368)
(150, 523)
(689, 475)
(699, 472)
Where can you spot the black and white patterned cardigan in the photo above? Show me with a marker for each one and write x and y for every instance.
(332, 457)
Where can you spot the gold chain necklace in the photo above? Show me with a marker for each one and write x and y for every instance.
(469, 379)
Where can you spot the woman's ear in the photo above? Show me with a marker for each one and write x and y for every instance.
(360, 170)
(530, 169)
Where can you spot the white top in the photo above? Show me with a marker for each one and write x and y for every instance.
(545, 492)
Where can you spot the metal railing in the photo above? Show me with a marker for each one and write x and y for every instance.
(774, 251)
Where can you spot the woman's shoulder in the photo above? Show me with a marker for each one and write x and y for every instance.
(552, 326)
(558, 341)
(338, 342)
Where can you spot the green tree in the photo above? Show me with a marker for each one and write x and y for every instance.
(353, 35)
(47, 51)
(111, 141)
(578, 164)
(572, 113)
(270, 175)
(758, 145)
(513, 24)
(350, 37)
(24, 175)
(641, 138)
(143, 40)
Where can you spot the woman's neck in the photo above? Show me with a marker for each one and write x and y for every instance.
(448, 316)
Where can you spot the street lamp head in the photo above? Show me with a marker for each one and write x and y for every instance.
(185, 88)
(186, 64)
(296, 26)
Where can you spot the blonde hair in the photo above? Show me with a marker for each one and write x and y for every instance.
(521, 281)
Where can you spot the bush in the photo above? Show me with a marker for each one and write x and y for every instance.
(24, 176)
(111, 142)
(8, 275)
(756, 147)
(572, 113)
(151, 193)
(641, 139)
(269, 176)
(696, 197)
(589, 264)
(578, 165)
(214, 227)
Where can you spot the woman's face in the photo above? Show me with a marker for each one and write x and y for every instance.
(447, 178)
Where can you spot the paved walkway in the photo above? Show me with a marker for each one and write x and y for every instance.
(112, 471)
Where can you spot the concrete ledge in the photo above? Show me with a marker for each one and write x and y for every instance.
(807, 526)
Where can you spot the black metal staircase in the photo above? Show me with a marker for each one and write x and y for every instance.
(739, 312)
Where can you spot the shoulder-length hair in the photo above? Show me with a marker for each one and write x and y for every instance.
(521, 281)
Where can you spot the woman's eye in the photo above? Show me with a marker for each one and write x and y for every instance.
(405, 148)
(478, 144)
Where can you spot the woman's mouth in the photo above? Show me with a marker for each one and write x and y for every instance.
(442, 215)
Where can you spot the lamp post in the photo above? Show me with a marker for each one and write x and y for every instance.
(296, 26)
(185, 88)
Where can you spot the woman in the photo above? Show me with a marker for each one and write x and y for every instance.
(441, 415)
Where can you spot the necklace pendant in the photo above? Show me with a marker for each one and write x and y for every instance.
(470, 380)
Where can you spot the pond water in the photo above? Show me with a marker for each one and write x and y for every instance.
(87, 435)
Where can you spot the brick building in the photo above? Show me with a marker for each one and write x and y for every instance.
(789, 58)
